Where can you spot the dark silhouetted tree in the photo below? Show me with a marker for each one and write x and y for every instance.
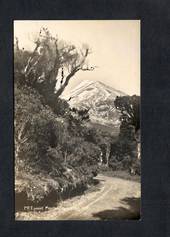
(129, 107)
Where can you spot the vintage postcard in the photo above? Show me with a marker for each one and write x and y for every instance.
(77, 119)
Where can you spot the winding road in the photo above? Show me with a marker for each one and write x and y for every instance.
(113, 198)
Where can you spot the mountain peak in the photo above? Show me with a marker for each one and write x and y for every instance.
(93, 87)
(99, 99)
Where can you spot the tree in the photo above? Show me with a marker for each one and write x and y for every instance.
(129, 109)
(77, 119)
(127, 146)
(52, 64)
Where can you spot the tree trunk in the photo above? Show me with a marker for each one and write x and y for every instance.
(107, 154)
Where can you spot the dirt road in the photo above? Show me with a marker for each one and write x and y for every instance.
(114, 198)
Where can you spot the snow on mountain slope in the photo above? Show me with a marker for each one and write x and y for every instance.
(99, 99)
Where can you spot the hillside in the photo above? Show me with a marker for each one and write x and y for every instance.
(49, 166)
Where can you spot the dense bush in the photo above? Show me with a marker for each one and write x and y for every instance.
(50, 145)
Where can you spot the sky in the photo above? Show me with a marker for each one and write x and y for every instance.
(115, 46)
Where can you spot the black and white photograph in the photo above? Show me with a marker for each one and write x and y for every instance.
(77, 120)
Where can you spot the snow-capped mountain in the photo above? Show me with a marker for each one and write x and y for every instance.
(99, 99)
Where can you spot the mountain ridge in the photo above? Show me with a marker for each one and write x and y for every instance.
(86, 83)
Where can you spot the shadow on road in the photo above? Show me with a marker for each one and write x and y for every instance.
(130, 213)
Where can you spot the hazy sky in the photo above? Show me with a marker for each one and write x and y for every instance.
(115, 45)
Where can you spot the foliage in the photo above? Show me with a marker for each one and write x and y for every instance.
(46, 146)
(129, 109)
(123, 155)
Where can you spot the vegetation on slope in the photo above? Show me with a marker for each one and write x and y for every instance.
(51, 152)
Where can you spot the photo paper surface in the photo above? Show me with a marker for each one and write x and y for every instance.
(77, 120)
